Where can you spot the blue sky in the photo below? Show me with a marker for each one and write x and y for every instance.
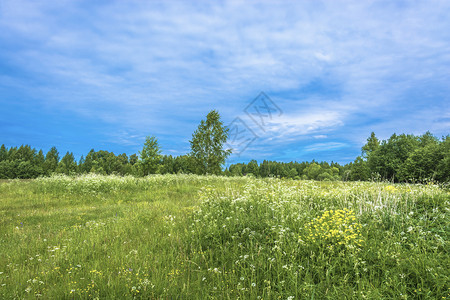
(104, 74)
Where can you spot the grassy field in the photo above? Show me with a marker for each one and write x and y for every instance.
(207, 237)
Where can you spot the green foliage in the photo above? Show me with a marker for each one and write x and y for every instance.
(421, 164)
(293, 170)
(104, 162)
(175, 165)
(236, 169)
(51, 161)
(388, 158)
(313, 171)
(252, 167)
(334, 230)
(207, 145)
(94, 236)
(359, 170)
(23, 162)
(40, 158)
(150, 156)
(280, 239)
(211, 237)
(402, 158)
(372, 144)
(24, 153)
(133, 159)
(67, 165)
(443, 168)
(292, 173)
(3, 153)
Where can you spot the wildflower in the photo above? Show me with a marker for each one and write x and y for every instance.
(337, 227)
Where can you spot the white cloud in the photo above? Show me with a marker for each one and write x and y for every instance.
(305, 123)
(159, 66)
(323, 57)
(324, 146)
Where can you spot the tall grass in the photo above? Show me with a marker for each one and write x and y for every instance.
(208, 237)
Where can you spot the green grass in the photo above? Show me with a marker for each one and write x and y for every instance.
(207, 237)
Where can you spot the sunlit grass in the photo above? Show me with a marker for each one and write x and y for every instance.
(207, 237)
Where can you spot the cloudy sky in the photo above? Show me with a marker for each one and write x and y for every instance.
(104, 74)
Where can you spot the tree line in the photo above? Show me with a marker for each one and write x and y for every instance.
(404, 158)
(401, 158)
(206, 157)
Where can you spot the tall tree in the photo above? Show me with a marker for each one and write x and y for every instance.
(252, 167)
(390, 155)
(207, 145)
(133, 159)
(3, 152)
(264, 169)
(67, 165)
(443, 173)
(40, 158)
(313, 170)
(51, 161)
(359, 170)
(371, 145)
(150, 156)
(25, 153)
(168, 164)
(422, 162)
(39, 162)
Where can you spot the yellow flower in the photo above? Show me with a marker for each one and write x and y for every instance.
(335, 227)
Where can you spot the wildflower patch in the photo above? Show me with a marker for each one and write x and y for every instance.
(334, 228)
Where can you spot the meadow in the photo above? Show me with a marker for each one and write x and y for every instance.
(212, 237)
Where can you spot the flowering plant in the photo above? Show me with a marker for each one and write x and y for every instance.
(333, 228)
